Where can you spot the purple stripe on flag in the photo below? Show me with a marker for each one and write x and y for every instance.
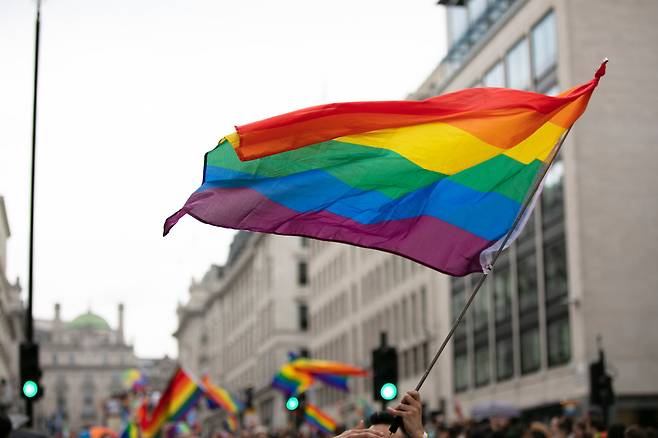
(427, 240)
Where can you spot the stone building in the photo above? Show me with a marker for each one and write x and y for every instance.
(82, 362)
(583, 266)
(12, 324)
(244, 318)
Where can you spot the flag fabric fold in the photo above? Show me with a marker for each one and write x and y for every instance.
(437, 181)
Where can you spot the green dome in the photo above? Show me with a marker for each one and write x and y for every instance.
(89, 321)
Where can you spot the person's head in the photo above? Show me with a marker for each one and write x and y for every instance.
(616, 430)
(580, 430)
(5, 426)
(382, 420)
(634, 431)
(565, 427)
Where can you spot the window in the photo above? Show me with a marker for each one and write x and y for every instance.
(457, 22)
(303, 317)
(461, 371)
(504, 359)
(302, 273)
(481, 311)
(476, 9)
(304, 242)
(495, 77)
(544, 46)
(559, 341)
(482, 365)
(518, 66)
(530, 358)
(552, 198)
(526, 266)
(555, 268)
(503, 293)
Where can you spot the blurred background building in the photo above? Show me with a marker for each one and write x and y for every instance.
(83, 361)
(582, 268)
(12, 325)
(244, 318)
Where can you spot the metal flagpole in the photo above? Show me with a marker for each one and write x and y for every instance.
(29, 323)
(398, 420)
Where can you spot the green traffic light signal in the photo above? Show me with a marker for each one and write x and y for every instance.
(388, 391)
(292, 403)
(30, 388)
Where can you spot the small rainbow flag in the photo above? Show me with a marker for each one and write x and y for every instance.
(131, 431)
(181, 395)
(438, 181)
(290, 381)
(232, 423)
(222, 397)
(319, 420)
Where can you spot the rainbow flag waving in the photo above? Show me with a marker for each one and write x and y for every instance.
(437, 181)
(319, 420)
(181, 395)
(222, 397)
(131, 431)
(290, 381)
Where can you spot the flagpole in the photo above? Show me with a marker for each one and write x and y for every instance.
(398, 420)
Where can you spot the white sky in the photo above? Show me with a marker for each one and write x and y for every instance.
(132, 93)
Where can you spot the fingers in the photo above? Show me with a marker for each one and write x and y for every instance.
(362, 433)
(412, 398)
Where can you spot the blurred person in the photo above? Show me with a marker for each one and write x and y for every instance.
(580, 430)
(5, 425)
(565, 428)
(537, 430)
(634, 431)
(616, 430)
(409, 409)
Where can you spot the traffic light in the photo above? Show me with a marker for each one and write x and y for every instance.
(384, 372)
(600, 384)
(30, 384)
(292, 403)
(296, 405)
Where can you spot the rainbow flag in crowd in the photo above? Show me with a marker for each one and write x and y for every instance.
(437, 181)
(181, 395)
(221, 397)
(131, 431)
(328, 372)
(232, 423)
(290, 381)
(319, 420)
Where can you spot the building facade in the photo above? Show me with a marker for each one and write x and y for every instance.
(82, 362)
(12, 323)
(581, 270)
(356, 295)
(244, 318)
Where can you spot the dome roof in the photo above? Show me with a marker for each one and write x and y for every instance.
(89, 321)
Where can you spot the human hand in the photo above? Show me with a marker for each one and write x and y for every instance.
(361, 432)
(411, 411)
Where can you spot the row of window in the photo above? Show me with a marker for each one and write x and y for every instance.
(330, 274)
(386, 276)
(529, 61)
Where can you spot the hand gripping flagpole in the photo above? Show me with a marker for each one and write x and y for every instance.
(489, 268)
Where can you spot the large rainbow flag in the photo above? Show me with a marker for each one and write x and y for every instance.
(437, 181)
(181, 395)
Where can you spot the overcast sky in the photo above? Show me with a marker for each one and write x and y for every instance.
(132, 93)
